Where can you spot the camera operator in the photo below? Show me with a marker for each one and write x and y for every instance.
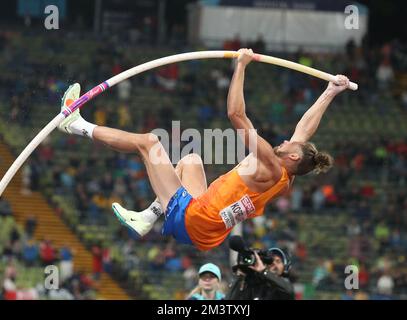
(265, 278)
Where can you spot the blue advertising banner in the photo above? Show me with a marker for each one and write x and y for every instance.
(35, 8)
(320, 5)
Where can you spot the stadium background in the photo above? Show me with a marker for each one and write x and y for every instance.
(57, 208)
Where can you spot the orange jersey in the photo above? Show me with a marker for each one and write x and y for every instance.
(227, 202)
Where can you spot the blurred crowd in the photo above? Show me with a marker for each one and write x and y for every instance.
(24, 260)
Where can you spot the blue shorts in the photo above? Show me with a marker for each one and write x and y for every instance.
(174, 223)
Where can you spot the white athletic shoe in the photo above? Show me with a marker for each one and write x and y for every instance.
(132, 219)
(69, 97)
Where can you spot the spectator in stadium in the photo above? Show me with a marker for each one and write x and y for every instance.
(320, 273)
(385, 74)
(385, 284)
(66, 262)
(26, 179)
(234, 44)
(190, 274)
(106, 259)
(353, 228)
(259, 46)
(7, 252)
(348, 295)
(167, 77)
(5, 209)
(97, 261)
(208, 284)
(9, 288)
(47, 252)
(15, 237)
(364, 277)
(30, 253)
(30, 226)
(124, 90)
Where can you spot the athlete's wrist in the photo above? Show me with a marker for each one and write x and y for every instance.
(241, 65)
(330, 93)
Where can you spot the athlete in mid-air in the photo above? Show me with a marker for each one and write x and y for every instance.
(198, 215)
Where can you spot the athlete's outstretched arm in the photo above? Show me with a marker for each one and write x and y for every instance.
(309, 122)
(237, 111)
(236, 103)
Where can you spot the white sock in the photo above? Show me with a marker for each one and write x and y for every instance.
(153, 212)
(83, 128)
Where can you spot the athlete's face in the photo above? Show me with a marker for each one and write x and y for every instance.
(277, 266)
(208, 281)
(289, 148)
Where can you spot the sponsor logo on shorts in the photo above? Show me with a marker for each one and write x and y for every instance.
(237, 212)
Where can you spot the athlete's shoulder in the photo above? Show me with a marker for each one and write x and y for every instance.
(274, 170)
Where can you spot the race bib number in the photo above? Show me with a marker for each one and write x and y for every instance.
(237, 212)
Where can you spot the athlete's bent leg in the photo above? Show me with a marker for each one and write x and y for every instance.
(191, 172)
(163, 178)
(192, 175)
(161, 173)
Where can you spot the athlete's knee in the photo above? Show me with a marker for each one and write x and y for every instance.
(146, 141)
(192, 158)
